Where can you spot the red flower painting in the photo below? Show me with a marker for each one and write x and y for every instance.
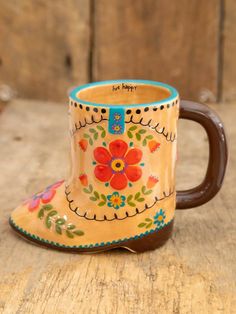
(118, 164)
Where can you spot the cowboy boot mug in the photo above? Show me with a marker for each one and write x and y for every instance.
(121, 188)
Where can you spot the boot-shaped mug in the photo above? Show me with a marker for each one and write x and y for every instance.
(121, 188)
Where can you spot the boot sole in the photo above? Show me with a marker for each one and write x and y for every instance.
(146, 243)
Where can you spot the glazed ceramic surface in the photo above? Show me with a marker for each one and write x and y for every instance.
(121, 187)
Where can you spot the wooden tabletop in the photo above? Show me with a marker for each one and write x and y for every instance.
(193, 273)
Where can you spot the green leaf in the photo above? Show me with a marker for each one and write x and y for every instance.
(142, 224)
(92, 198)
(60, 221)
(130, 135)
(92, 131)
(103, 197)
(95, 136)
(101, 203)
(103, 134)
(138, 136)
(137, 195)
(131, 204)
(48, 219)
(58, 229)
(86, 191)
(148, 219)
(41, 213)
(144, 142)
(96, 195)
(48, 222)
(47, 207)
(78, 232)
(148, 192)
(143, 189)
(90, 187)
(133, 128)
(142, 131)
(129, 198)
(86, 135)
(90, 141)
(52, 213)
(99, 127)
(69, 234)
(141, 199)
(148, 225)
(70, 227)
(149, 137)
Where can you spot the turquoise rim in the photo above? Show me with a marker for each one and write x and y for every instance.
(56, 244)
(173, 93)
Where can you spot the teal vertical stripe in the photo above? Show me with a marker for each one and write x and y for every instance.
(116, 121)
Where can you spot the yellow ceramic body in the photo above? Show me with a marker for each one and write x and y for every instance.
(122, 180)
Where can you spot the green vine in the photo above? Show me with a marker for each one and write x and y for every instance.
(147, 224)
(95, 196)
(102, 199)
(94, 133)
(132, 132)
(47, 212)
(138, 197)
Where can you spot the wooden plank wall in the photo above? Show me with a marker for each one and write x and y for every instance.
(48, 46)
(44, 46)
(159, 40)
(229, 52)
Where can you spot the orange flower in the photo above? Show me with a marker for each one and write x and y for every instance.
(151, 182)
(153, 146)
(83, 144)
(84, 179)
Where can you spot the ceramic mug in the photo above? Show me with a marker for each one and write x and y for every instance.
(121, 188)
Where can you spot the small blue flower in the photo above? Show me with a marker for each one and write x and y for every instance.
(116, 200)
(159, 218)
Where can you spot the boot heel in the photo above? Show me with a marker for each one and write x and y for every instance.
(149, 242)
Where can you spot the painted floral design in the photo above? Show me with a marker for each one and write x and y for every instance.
(159, 218)
(45, 197)
(117, 116)
(152, 180)
(83, 179)
(118, 164)
(55, 222)
(116, 200)
(83, 144)
(117, 128)
(91, 136)
(141, 136)
(153, 146)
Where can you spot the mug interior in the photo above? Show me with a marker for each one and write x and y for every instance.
(126, 92)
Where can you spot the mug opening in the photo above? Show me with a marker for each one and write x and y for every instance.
(124, 93)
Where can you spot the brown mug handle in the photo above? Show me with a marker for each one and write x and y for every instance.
(218, 155)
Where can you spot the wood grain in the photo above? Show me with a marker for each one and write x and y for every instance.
(229, 52)
(193, 273)
(44, 46)
(164, 41)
